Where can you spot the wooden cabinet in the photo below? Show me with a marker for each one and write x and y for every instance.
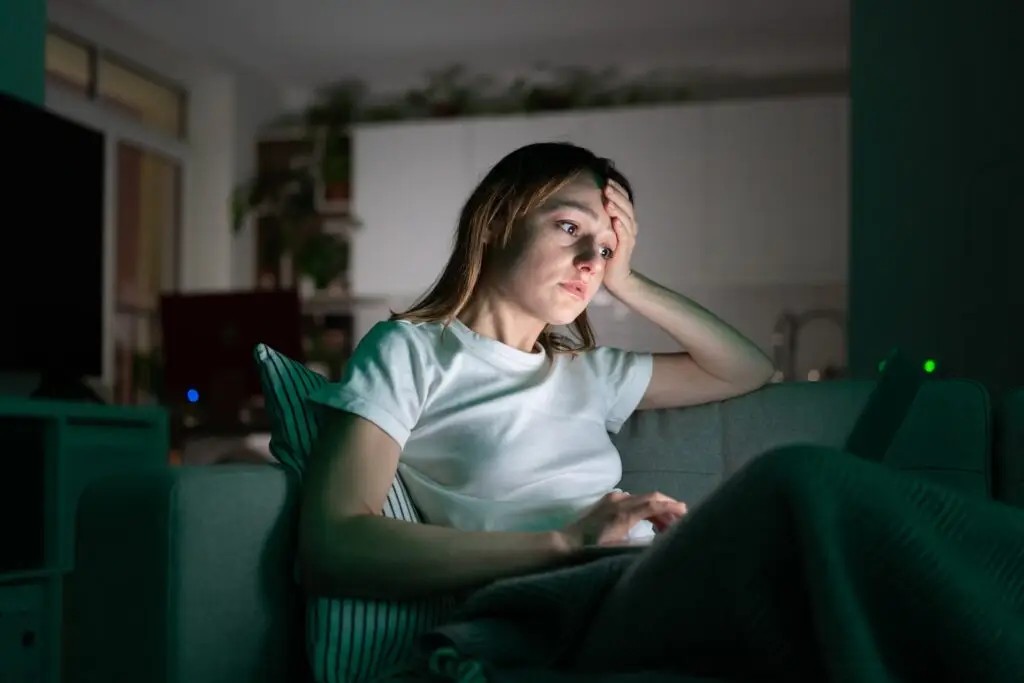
(276, 155)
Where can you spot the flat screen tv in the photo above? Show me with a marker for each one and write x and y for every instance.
(52, 218)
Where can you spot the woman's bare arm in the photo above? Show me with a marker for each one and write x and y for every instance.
(346, 548)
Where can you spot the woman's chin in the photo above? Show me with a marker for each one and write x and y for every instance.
(564, 317)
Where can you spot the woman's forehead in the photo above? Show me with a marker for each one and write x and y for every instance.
(581, 194)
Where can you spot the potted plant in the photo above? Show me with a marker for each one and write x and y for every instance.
(322, 257)
(287, 199)
(327, 120)
(296, 200)
(335, 163)
(453, 91)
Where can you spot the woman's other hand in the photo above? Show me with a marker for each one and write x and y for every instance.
(610, 519)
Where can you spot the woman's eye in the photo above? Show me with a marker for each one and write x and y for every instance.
(567, 227)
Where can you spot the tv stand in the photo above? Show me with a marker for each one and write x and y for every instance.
(53, 452)
(61, 387)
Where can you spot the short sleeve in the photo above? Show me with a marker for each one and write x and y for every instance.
(624, 377)
(384, 381)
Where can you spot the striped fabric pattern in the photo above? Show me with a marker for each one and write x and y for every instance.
(347, 640)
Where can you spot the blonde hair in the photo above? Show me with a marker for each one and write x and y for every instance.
(509, 193)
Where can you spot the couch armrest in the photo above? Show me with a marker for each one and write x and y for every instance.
(1008, 454)
(185, 576)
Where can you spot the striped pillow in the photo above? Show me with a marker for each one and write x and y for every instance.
(348, 640)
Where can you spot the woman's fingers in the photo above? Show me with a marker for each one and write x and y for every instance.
(651, 505)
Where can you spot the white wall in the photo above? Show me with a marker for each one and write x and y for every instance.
(743, 205)
(256, 103)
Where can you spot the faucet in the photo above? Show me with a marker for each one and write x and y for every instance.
(786, 335)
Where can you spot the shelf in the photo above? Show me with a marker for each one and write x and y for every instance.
(52, 451)
(327, 304)
(7, 578)
(30, 493)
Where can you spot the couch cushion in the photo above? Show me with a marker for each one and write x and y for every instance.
(688, 452)
(183, 576)
(347, 640)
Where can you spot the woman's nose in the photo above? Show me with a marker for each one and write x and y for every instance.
(588, 260)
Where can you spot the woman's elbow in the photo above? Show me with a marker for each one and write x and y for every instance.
(310, 563)
(326, 565)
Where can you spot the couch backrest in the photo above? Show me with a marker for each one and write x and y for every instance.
(688, 452)
(185, 576)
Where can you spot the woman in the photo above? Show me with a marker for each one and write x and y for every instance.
(501, 423)
(805, 566)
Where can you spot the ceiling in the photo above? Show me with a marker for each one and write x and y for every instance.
(301, 43)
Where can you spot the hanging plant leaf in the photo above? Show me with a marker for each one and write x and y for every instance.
(336, 106)
(322, 257)
(337, 158)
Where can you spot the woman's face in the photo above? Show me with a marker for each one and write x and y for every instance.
(555, 263)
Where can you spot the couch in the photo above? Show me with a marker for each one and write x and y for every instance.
(186, 575)
(1008, 451)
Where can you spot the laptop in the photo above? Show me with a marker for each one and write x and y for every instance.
(887, 407)
(873, 433)
(593, 552)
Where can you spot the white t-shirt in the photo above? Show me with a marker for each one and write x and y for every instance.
(493, 438)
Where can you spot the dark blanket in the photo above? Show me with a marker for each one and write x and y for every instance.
(806, 565)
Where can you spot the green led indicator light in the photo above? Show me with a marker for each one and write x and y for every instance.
(929, 366)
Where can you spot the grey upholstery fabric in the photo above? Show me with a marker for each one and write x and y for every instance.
(686, 453)
(186, 576)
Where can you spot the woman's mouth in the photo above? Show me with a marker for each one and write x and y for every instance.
(577, 289)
